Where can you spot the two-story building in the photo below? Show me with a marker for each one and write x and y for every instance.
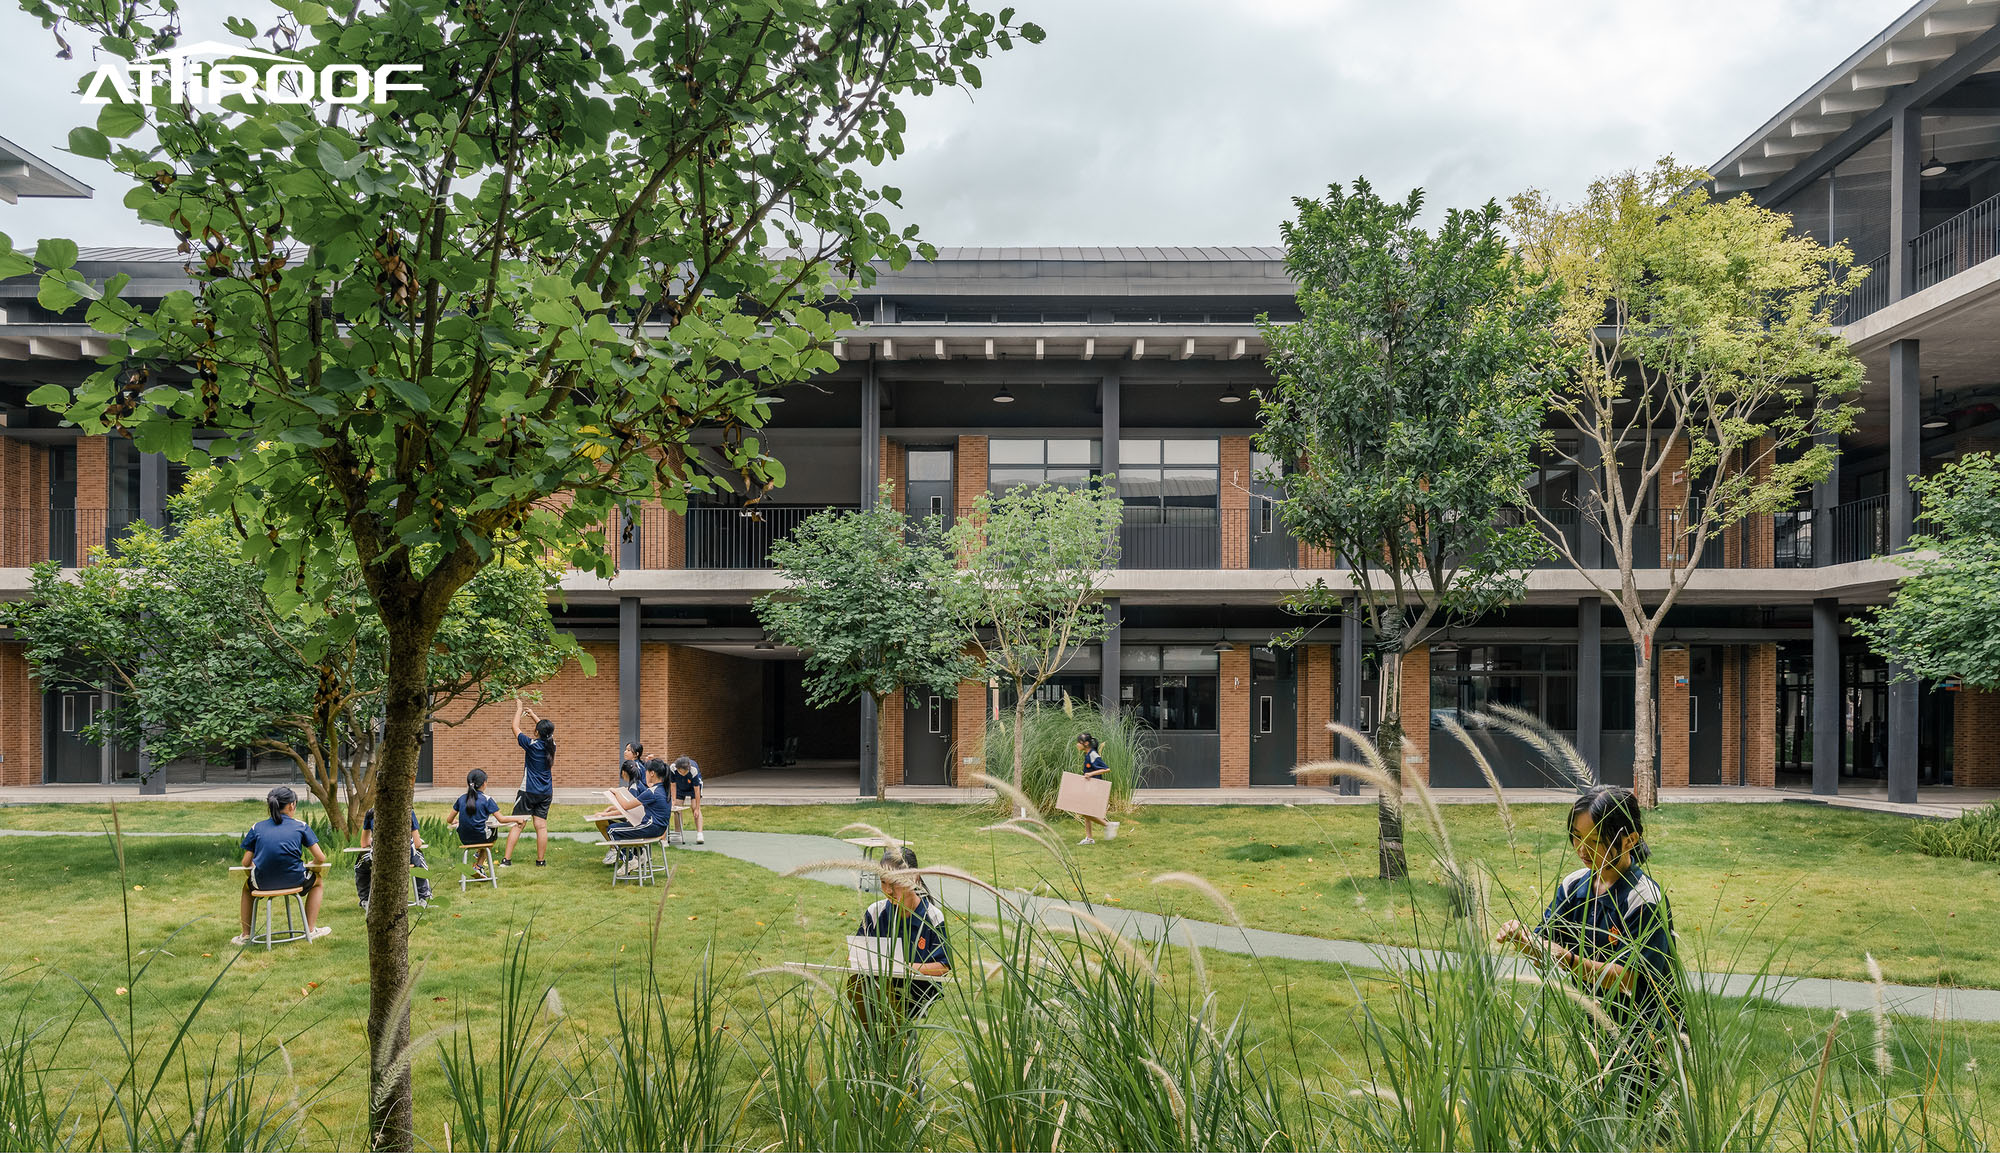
(988, 368)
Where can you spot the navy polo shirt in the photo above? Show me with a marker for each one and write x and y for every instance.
(922, 930)
(368, 821)
(1629, 925)
(536, 780)
(278, 852)
(1093, 762)
(684, 783)
(657, 802)
(472, 816)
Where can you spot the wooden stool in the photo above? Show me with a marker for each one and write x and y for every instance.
(469, 854)
(646, 871)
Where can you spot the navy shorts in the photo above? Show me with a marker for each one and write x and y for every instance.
(532, 805)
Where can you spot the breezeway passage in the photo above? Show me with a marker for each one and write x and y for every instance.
(784, 852)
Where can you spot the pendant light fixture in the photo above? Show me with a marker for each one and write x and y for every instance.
(1934, 419)
(1231, 396)
(1933, 166)
(1003, 396)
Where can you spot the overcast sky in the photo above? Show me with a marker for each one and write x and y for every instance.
(1195, 121)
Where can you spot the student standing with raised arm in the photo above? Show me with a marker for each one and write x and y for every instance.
(537, 783)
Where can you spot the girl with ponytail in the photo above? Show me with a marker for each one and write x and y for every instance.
(275, 853)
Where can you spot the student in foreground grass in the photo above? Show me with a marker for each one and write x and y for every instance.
(478, 818)
(364, 869)
(1610, 928)
(906, 912)
(686, 781)
(274, 850)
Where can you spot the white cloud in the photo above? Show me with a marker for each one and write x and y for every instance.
(1195, 122)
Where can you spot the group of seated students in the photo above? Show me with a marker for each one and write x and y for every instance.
(644, 806)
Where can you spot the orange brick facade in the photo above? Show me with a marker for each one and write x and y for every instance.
(1234, 719)
(1672, 704)
(21, 722)
(585, 712)
(1975, 735)
(969, 732)
(1235, 502)
(1316, 703)
(1415, 712)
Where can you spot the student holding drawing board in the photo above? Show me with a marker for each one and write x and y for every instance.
(1094, 769)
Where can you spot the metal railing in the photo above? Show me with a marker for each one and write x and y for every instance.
(1792, 539)
(1870, 296)
(1152, 537)
(728, 538)
(1860, 529)
(1972, 237)
(65, 535)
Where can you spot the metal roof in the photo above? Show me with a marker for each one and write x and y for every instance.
(1921, 39)
(22, 174)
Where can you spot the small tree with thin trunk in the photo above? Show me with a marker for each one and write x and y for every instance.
(1944, 620)
(178, 628)
(1407, 403)
(1702, 359)
(1027, 593)
(864, 598)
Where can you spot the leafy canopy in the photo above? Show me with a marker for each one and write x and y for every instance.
(1944, 620)
(1407, 402)
(864, 598)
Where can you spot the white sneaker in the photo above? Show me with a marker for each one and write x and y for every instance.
(322, 931)
(611, 856)
(1088, 841)
(700, 840)
(240, 940)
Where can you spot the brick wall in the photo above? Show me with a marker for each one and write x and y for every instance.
(1316, 703)
(21, 721)
(1672, 705)
(1761, 548)
(892, 467)
(893, 714)
(711, 709)
(24, 503)
(1762, 706)
(971, 478)
(969, 725)
(1235, 502)
(1234, 720)
(1975, 739)
(585, 710)
(1673, 503)
(1416, 713)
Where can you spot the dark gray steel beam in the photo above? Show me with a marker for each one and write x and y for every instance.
(1905, 199)
(1110, 401)
(1590, 682)
(1905, 447)
(1827, 697)
(871, 433)
(628, 671)
(1110, 650)
(1928, 87)
(1350, 687)
(1902, 736)
(1825, 495)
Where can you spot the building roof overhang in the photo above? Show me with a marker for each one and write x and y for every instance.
(24, 174)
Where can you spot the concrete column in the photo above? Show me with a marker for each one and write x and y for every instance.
(1826, 494)
(1109, 650)
(1827, 697)
(1349, 697)
(1905, 452)
(1108, 395)
(1589, 542)
(628, 671)
(871, 433)
(153, 488)
(870, 758)
(1590, 682)
(1905, 199)
(1902, 736)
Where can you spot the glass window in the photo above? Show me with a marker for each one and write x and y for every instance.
(1191, 452)
(1072, 452)
(1189, 658)
(1139, 658)
(1138, 452)
(1173, 702)
(930, 464)
(1014, 451)
(1156, 476)
(1013, 462)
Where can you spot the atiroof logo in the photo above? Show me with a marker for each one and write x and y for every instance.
(281, 80)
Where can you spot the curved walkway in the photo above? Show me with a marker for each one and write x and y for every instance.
(784, 852)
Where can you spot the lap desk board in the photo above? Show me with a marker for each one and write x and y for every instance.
(1084, 796)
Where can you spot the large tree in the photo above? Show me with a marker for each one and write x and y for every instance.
(487, 317)
(1406, 407)
(864, 597)
(180, 629)
(1702, 363)
(1027, 591)
(1944, 619)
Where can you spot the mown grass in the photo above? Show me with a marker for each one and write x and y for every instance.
(62, 937)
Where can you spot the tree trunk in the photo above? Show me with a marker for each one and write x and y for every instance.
(1644, 726)
(1391, 863)
(881, 752)
(1020, 715)
(391, 1113)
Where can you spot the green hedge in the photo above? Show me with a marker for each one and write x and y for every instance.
(1973, 835)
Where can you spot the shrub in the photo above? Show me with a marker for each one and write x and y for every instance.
(1973, 835)
(1048, 750)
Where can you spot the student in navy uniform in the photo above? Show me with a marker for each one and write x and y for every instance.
(364, 869)
(478, 818)
(631, 778)
(686, 781)
(1610, 928)
(275, 851)
(1093, 766)
(908, 912)
(537, 784)
(645, 818)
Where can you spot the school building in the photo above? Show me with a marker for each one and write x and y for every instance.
(992, 367)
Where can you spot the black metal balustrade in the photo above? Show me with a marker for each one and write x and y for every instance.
(1792, 539)
(1869, 296)
(64, 535)
(1972, 237)
(1860, 529)
(1152, 537)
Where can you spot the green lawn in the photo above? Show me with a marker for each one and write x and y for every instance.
(1816, 886)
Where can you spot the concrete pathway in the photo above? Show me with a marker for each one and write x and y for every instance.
(783, 852)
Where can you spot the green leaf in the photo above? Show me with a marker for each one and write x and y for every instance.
(118, 121)
(50, 396)
(337, 165)
(89, 142)
(56, 254)
(409, 392)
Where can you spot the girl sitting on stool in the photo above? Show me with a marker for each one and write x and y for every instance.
(643, 820)
(274, 851)
(478, 818)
